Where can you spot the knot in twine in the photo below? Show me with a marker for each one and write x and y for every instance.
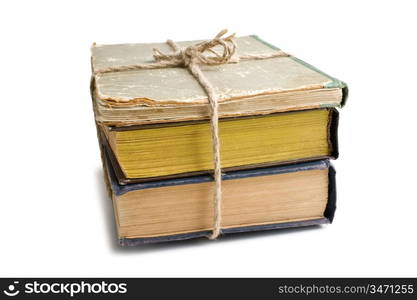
(192, 57)
(201, 53)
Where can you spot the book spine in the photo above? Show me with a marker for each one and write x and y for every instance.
(332, 195)
(333, 133)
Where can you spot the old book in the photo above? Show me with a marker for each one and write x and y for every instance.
(149, 152)
(250, 87)
(302, 194)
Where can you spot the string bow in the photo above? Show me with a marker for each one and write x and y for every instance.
(201, 53)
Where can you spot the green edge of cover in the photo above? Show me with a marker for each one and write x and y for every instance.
(336, 83)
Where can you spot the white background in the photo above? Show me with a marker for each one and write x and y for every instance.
(56, 219)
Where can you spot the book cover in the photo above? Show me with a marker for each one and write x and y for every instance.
(250, 87)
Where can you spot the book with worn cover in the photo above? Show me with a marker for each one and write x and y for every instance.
(295, 195)
(251, 87)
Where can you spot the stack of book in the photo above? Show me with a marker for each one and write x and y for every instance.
(278, 130)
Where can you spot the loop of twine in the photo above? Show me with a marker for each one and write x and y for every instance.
(197, 54)
(192, 57)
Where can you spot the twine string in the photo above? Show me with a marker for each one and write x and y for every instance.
(192, 57)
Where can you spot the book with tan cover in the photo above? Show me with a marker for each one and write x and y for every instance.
(246, 88)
